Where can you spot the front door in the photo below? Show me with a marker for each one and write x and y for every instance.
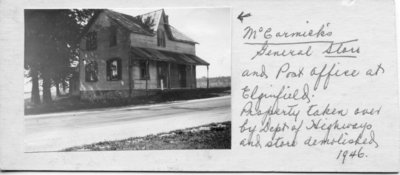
(162, 72)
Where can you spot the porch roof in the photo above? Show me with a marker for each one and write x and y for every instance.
(167, 56)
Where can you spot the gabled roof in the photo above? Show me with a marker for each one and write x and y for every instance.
(134, 25)
(155, 16)
(129, 22)
(175, 35)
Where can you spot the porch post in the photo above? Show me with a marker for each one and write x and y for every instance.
(130, 76)
(195, 78)
(208, 81)
(147, 77)
(169, 75)
(190, 77)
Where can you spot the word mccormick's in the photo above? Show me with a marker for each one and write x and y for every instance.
(266, 32)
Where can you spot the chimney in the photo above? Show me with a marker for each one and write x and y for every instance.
(166, 19)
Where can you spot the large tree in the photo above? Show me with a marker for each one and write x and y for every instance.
(51, 44)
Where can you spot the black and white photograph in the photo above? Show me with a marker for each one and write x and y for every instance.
(127, 79)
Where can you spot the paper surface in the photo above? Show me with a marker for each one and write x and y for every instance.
(317, 82)
(314, 88)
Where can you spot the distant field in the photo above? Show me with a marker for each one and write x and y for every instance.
(214, 82)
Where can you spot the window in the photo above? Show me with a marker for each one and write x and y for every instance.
(91, 41)
(113, 36)
(160, 38)
(144, 71)
(91, 71)
(114, 69)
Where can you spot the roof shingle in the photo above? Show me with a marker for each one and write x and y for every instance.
(167, 56)
(133, 24)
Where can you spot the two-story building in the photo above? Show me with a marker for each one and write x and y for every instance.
(126, 56)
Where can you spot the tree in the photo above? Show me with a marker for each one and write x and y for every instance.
(146, 23)
(51, 43)
(32, 56)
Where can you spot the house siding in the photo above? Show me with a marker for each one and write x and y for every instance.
(141, 84)
(131, 84)
(138, 40)
(103, 53)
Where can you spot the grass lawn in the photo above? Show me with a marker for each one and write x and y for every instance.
(211, 136)
(70, 103)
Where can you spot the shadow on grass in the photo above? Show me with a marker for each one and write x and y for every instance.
(73, 103)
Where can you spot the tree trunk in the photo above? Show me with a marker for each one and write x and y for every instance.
(58, 89)
(64, 86)
(35, 96)
(46, 88)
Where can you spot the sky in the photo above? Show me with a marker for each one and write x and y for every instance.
(210, 27)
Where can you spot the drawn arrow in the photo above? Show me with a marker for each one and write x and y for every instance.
(241, 16)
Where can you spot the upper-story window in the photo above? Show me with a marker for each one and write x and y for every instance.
(91, 71)
(91, 41)
(114, 69)
(161, 38)
(113, 36)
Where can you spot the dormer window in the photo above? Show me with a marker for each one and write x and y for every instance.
(113, 36)
(91, 41)
(160, 38)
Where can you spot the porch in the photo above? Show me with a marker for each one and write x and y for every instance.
(151, 69)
